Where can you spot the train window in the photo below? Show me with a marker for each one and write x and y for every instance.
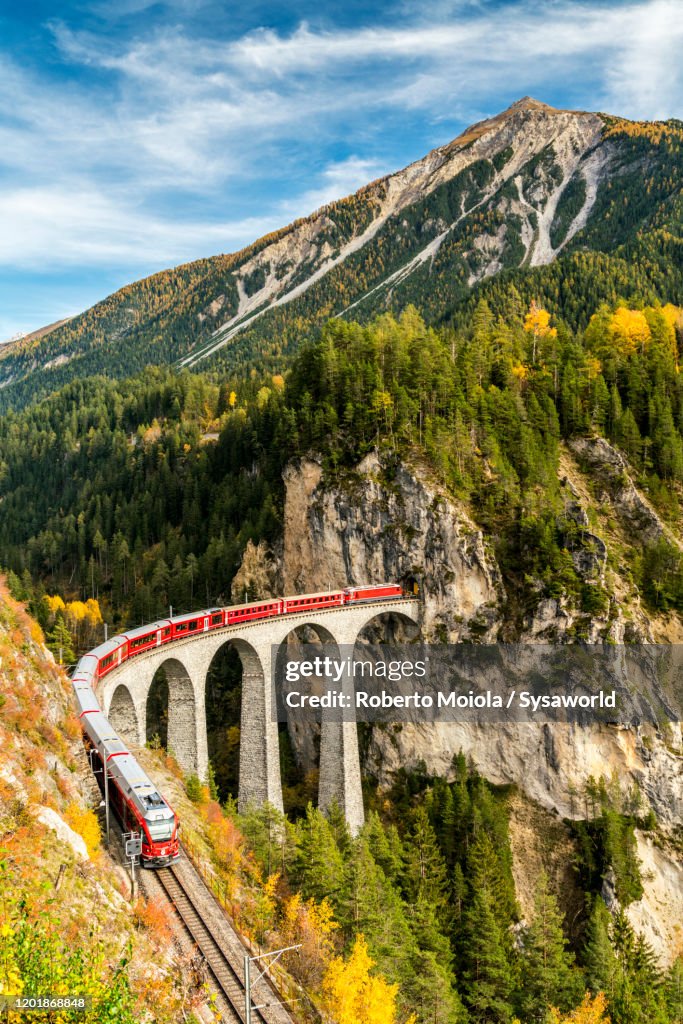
(166, 631)
(160, 831)
(181, 627)
(192, 626)
(215, 619)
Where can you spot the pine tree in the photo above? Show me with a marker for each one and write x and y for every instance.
(673, 991)
(486, 870)
(487, 971)
(639, 996)
(548, 975)
(598, 956)
(426, 877)
(60, 642)
(318, 867)
(339, 828)
(430, 992)
(385, 846)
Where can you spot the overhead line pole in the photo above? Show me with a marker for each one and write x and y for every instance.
(277, 953)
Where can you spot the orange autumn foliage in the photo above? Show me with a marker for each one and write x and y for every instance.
(228, 844)
(155, 917)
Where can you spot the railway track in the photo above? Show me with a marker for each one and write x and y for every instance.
(224, 974)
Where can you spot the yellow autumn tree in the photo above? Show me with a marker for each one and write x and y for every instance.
(592, 367)
(55, 604)
(673, 316)
(352, 995)
(629, 331)
(265, 907)
(311, 925)
(94, 613)
(537, 323)
(84, 619)
(263, 397)
(11, 982)
(666, 324)
(593, 1010)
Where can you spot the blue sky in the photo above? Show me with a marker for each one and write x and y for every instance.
(137, 135)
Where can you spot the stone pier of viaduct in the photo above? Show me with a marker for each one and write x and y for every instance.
(123, 695)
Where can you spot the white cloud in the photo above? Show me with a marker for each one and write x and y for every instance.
(337, 180)
(81, 225)
(46, 224)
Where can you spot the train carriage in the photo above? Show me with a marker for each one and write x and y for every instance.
(252, 612)
(377, 592)
(311, 602)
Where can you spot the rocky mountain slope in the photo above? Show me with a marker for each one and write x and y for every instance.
(516, 193)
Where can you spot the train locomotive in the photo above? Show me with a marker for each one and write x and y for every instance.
(133, 796)
(135, 799)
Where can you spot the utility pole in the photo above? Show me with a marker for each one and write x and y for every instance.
(106, 790)
(248, 960)
(247, 988)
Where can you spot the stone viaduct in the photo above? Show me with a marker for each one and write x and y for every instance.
(123, 696)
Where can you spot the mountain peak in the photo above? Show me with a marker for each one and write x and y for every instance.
(528, 103)
(523, 105)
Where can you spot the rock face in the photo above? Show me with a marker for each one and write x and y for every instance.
(391, 523)
(659, 913)
(610, 467)
(551, 762)
(258, 575)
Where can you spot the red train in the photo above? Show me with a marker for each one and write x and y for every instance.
(117, 650)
